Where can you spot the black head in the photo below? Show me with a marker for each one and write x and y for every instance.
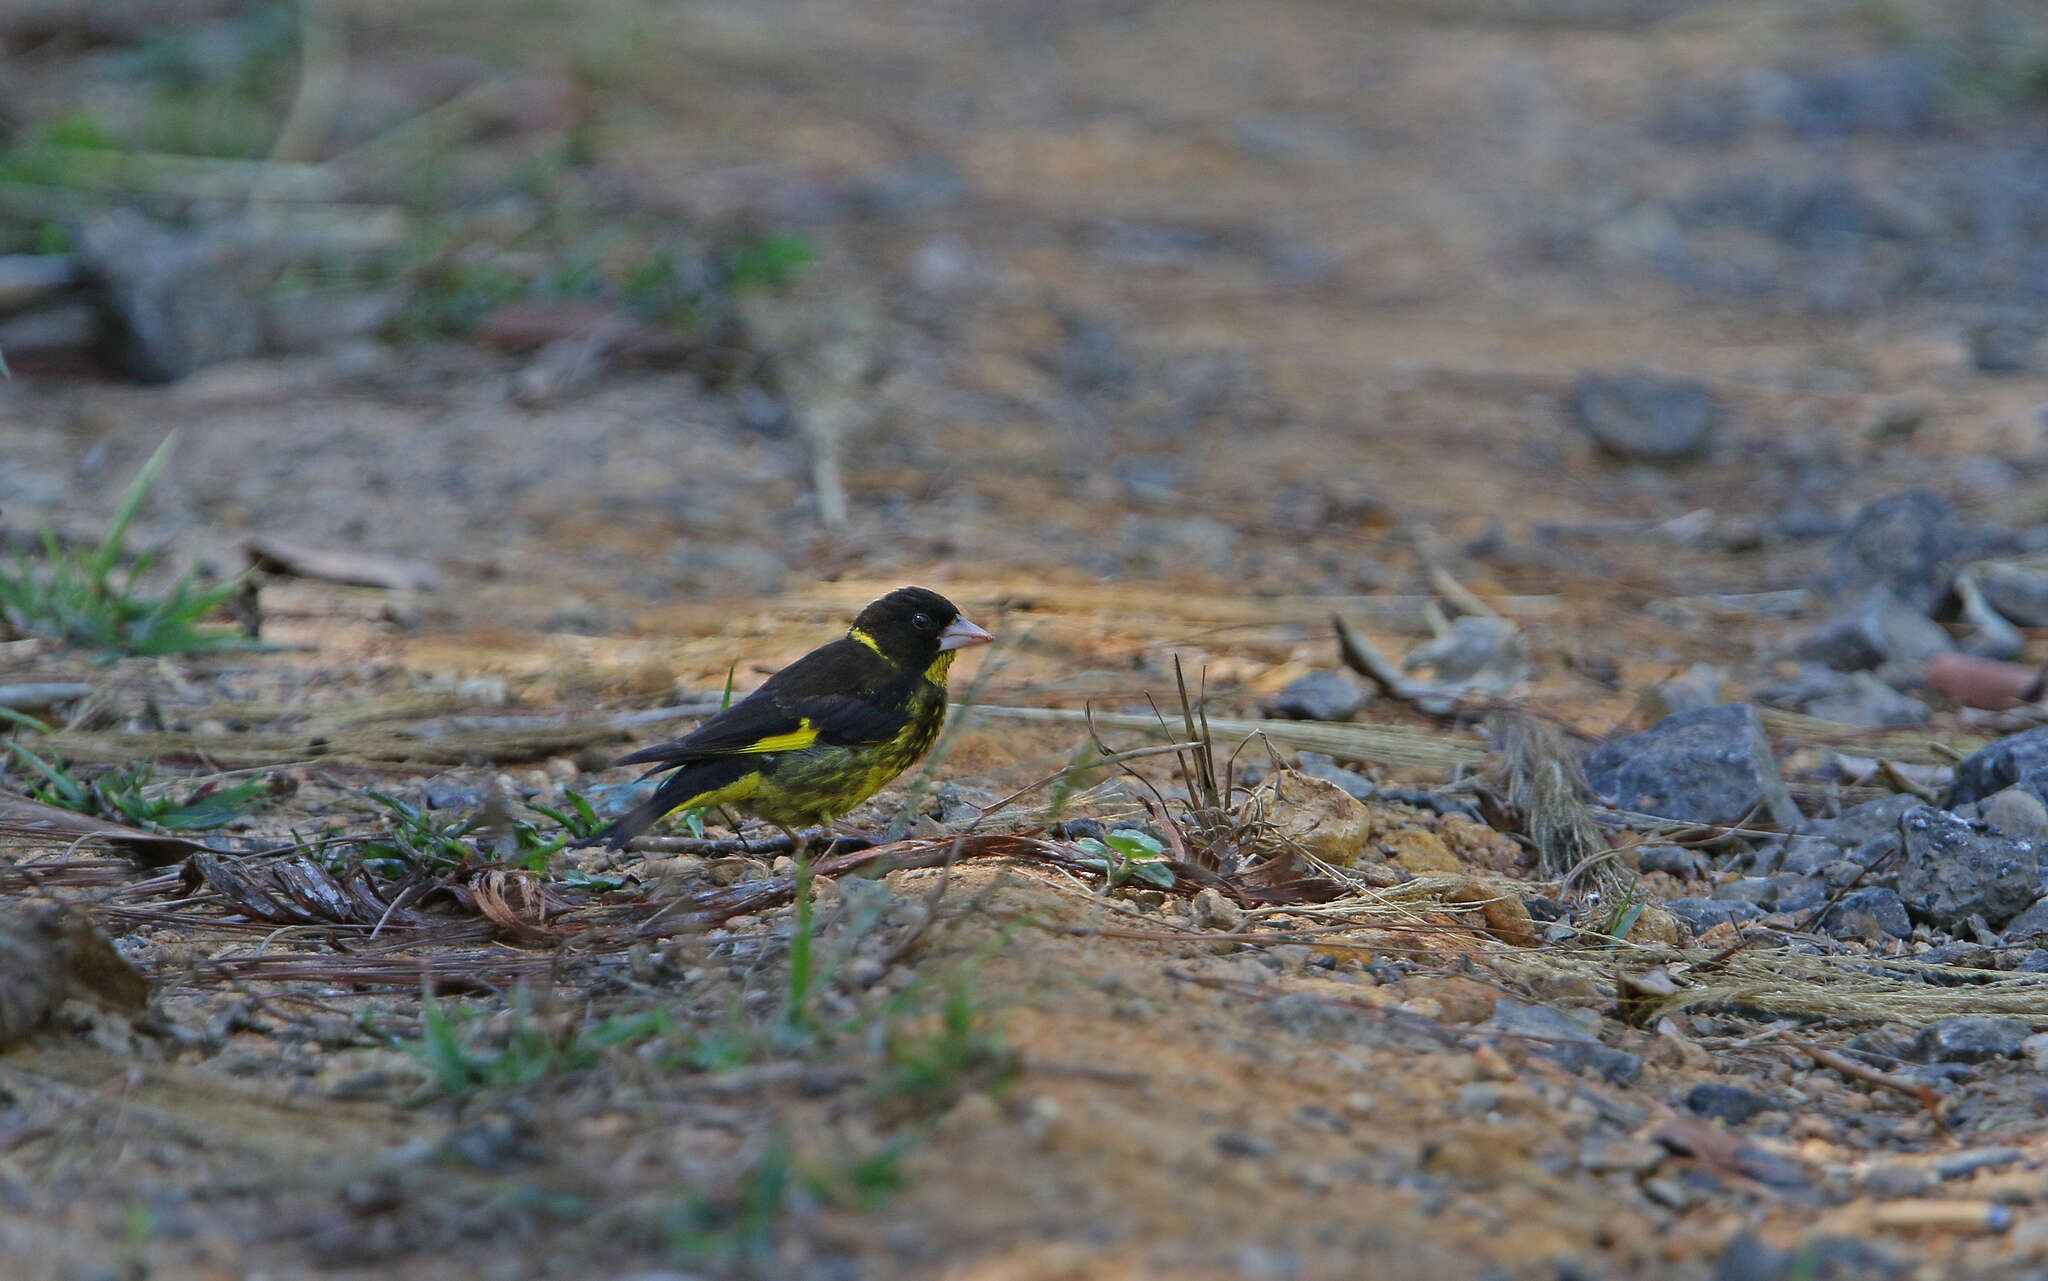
(912, 627)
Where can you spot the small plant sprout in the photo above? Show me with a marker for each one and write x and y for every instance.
(1128, 855)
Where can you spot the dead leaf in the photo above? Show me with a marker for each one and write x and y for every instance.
(20, 816)
(296, 891)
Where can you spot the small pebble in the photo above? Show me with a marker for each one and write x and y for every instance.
(1480, 1096)
(2016, 812)
(1213, 911)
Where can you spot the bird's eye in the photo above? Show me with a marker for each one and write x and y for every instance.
(922, 622)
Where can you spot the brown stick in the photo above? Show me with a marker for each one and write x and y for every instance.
(1919, 1091)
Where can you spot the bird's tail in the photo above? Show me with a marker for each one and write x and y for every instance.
(694, 783)
(620, 831)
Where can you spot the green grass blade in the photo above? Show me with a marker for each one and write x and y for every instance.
(109, 551)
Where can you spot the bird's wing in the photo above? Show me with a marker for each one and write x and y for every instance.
(821, 698)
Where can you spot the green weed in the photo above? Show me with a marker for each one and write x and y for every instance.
(769, 261)
(936, 1062)
(459, 1062)
(665, 287)
(80, 600)
(128, 796)
(1128, 855)
(1626, 914)
(739, 1228)
(22, 720)
(452, 300)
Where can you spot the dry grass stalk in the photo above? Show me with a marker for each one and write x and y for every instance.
(1844, 988)
(1904, 746)
(1543, 788)
(1399, 746)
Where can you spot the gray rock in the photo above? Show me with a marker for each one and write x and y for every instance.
(1354, 784)
(1673, 860)
(169, 302)
(1911, 542)
(1148, 481)
(1645, 417)
(1731, 1104)
(1703, 914)
(1952, 872)
(1962, 956)
(1871, 630)
(1307, 1015)
(1320, 696)
(1091, 360)
(1713, 765)
(2004, 344)
(1971, 1040)
(1872, 914)
(1846, 872)
(1480, 653)
(1826, 1259)
(1898, 96)
(1782, 892)
(1858, 824)
(1991, 634)
(2016, 758)
(613, 799)
(1800, 893)
(1697, 686)
(1801, 854)
(1568, 1041)
(1849, 698)
(1958, 1165)
(2019, 594)
(2029, 925)
(2015, 812)
(450, 793)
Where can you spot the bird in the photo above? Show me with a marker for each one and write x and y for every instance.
(823, 734)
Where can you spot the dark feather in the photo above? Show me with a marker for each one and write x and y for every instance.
(691, 780)
(849, 693)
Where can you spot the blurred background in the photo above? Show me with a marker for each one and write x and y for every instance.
(605, 304)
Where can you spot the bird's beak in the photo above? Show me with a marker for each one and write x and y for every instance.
(960, 633)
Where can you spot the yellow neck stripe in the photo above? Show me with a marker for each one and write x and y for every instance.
(865, 639)
(936, 673)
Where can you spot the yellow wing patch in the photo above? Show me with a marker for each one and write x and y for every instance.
(795, 740)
